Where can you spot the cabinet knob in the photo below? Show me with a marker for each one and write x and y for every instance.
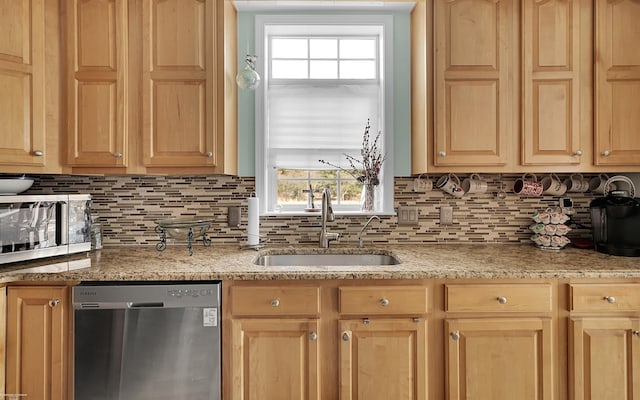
(636, 333)
(502, 300)
(54, 302)
(384, 302)
(275, 303)
(605, 153)
(313, 336)
(577, 153)
(209, 154)
(442, 154)
(38, 153)
(609, 299)
(117, 154)
(346, 336)
(455, 335)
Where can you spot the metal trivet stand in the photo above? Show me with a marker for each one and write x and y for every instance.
(183, 229)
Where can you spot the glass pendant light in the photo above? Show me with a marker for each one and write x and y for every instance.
(248, 78)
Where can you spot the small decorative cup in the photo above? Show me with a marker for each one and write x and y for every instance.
(552, 185)
(576, 184)
(597, 184)
(527, 187)
(450, 184)
(474, 184)
(421, 184)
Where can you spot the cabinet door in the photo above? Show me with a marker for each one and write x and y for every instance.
(617, 82)
(551, 82)
(605, 361)
(474, 99)
(383, 359)
(22, 76)
(275, 359)
(97, 37)
(178, 83)
(37, 342)
(500, 359)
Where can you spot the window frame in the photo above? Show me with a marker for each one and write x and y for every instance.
(263, 176)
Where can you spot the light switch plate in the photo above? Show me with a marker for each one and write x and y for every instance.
(407, 215)
(446, 215)
(233, 216)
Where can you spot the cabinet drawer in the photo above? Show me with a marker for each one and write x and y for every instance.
(498, 298)
(372, 300)
(605, 297)
(277, 300)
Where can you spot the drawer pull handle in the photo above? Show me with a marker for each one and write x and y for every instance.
(38, 153)
(54, 302)
(609, 299)
(345, 336)
(502, 300)
(275, 303)
(384, 302)
(313, 336)
(455, 335)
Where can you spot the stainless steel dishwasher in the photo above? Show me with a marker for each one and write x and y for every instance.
(147, 341)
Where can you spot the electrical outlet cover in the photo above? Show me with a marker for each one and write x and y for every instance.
(407, 215)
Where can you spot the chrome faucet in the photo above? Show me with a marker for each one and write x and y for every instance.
(360, 242)
(327, 216)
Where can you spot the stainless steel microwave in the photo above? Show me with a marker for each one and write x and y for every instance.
(39, 226)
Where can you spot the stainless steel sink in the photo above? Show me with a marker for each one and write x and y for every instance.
(337, 260)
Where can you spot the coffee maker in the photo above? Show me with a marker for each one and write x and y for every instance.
(615, 221)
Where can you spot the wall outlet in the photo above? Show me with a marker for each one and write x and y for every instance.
(446, 215)
(233, 216)
(407, 215)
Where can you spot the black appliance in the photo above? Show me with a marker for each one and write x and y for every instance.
(615, 220)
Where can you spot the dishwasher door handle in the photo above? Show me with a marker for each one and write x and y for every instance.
(156, 304)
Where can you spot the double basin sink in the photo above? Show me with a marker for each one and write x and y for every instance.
(334, 258)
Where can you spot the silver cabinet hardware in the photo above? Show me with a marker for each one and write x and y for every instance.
(117, 154)
(577, 153)
(442, 154)
(346, 336)
(38, 153)
(54, 302)
(209, 154)
(502, 300)
(455, 335)
(313, 336)
(609, 299)
(275, 303)
(384, 302)
(605, 153)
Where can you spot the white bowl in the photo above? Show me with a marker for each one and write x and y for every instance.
(14, 186)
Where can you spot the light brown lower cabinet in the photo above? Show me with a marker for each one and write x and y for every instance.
(500, 359)
(383, 359)
(275, 359)
(37, 325)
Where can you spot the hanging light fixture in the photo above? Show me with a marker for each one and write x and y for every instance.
(248, 78)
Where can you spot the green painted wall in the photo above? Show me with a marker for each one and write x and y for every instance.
(401, 96)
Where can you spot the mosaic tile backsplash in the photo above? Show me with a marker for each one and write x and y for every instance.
(127, 207)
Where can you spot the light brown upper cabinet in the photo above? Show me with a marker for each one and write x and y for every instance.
(474, 69)
(28, 45)
(552, 84)
(97, 102)
(617, 82)
(151, 86)
(511, 86)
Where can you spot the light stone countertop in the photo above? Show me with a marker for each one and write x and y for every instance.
(456, 261)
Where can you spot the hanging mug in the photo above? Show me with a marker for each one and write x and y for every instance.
(598, 184)
(450, 184)
(527, 187)
(474, 184)
(576, 184)
(552, 185)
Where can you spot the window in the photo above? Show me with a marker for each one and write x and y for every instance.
(324, 77)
